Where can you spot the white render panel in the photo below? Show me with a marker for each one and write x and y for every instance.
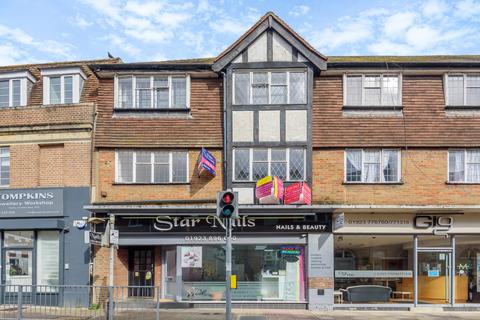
(301, 58)
(242, 126)
(296, 125)
(257, 51)
(269, 125)
(282, 50)
(238, 59)
(245, 195)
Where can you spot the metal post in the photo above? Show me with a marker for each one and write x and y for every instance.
(157, 308)
(111, 269)
(415, 270)
(452, 273)
(19, 302)
(228, 270)
(110, 303)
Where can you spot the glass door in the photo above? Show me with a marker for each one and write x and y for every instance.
(170, 272)
(141, 271)
(434, 277)
(18, 270)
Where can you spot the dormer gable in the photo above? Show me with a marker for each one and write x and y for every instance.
(270, 40)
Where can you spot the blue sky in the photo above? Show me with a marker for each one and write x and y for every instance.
(151, 30)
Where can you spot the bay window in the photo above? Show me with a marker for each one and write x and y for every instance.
(372, 166)
(270, 87)
(152, 92)
(151, 166)
(15, 88)
(462, 90)
(372, 90)
(464, 166)
(252, 164)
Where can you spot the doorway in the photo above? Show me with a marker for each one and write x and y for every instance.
(434, 277)
(170, 272)
(141, 272)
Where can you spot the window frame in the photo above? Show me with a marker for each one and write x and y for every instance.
(153, 93)
(382, 176)
(9, 166)
(26, 80)
(152, 167)
(465, 86)
(465, 163)
(78, 81)
(269, 85)
(269, 162)
(381, 75)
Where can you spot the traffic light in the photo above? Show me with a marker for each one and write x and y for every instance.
(227, 204)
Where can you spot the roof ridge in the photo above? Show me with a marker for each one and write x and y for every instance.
(41, 64)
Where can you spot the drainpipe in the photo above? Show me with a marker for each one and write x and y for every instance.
(225, 165)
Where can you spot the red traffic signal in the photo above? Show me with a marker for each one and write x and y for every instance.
(228, 197)
(227, 205)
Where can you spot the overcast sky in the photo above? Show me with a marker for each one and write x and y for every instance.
(150, 30)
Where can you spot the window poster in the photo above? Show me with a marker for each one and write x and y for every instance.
(478, 272)
(192, 257)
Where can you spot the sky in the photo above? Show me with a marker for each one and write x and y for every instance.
(154, 30)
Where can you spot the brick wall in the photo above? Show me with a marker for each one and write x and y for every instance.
(424, 175)
(55, 165)
(198, 188)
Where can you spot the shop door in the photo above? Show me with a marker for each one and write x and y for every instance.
(141, 271)
(434, 277)
(170, 272)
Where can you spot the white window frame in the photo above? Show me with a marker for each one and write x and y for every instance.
(382, 177)
(269, 162)
(152, 164)
(9, 168)
(25, 77)
(78, 79)
(269, 84)
(465, 162)
(381, 75)
(133, 78)
(445, 86)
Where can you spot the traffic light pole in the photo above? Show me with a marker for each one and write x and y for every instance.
(228, 269)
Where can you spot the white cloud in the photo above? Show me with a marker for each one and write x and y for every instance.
(226, 25)
(145, 9)
(467, 9)
(119, 43)
(434, 8)
(300, 10)
(10, 54)
(396, 24)
(81, 22)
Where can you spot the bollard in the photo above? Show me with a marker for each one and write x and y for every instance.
(19, 303)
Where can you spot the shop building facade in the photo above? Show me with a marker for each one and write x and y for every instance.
(47, 116)
(389, 146)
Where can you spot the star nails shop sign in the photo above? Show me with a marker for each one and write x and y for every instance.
(15, 203)
(213, 224)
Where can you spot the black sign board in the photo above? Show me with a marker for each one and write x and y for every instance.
(95, 238)
(213, 224)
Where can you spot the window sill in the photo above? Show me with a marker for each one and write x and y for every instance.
(149, 110)
(372, 183)
(462, 183)
(150, 184)
(148, 113)
(467, 108)
(372, 108)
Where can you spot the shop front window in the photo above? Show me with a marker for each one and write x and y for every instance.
(467, 269)
(373, 269)
(264, 272)
(18, 259)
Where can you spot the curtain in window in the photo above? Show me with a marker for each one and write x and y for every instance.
(390, 91)
(125, 166)
(456, 166)
(473, 166)
(48, 249)
(4, 95)
(298, 84)
(242, 88)
(179, 92)
(372, 166)
(390, 165)
(455, 90)
(354, 165)
(354, 91)
(125, 95)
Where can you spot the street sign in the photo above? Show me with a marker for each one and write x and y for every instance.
(93, 237)
(114, 237)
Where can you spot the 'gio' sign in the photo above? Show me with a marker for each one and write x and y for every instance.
(439, 224)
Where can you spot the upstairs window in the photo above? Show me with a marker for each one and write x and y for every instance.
(372, 90)
(462, 90)
(270, 87)
(372, 166)
(464, 166)
(153, 92)
(252, 164)
(62, 86)
(15, 88)
(4, 166)
(151, 167)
